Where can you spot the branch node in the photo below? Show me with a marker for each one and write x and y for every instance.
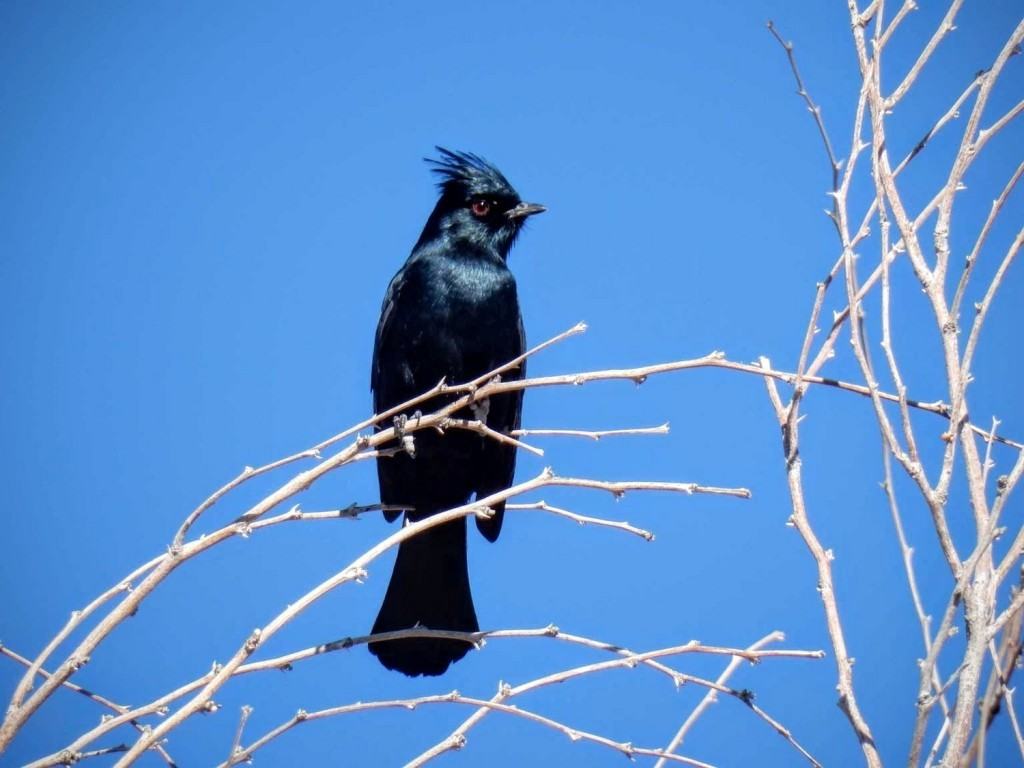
(254, 640)
(357, 575)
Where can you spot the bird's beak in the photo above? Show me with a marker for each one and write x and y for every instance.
(523, 210)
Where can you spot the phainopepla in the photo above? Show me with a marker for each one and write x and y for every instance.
(451, 312)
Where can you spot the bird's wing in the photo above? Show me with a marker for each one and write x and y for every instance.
(387, 392)
(498, 465)
(384, 326)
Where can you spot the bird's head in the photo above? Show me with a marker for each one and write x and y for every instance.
(477, 204)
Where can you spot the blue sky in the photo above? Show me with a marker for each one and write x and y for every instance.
(203, 204)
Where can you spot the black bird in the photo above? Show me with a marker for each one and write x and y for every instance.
(450, 313)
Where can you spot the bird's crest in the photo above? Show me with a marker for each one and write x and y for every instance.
(464, 173)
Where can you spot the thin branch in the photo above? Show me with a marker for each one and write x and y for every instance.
(985, 304)
(923, 619)
(76, 619)
(989, 441)
(826, 589)
(947, 629)
(591, 434)
(1005, 486)
(473, 425)
(712, 695)
(248, 473)
(236, 744)
(972, 257)
(357, 570)
(478, 639)
(443, 388)
(457, 739)
(715, 359)
(1007, 616)
(858, 145)
(1008, 117)
(940, 737)
(1004, 662)
(814, 109)
(92, 696)
(1012, 713)
(584, 520)
(971, 145)
(78, 757)
(888, 346)
(574, 734)
(159, 568)
(945, 27)
(901, 14)
(926, 672)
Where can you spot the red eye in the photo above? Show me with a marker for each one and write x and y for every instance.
(480, 208)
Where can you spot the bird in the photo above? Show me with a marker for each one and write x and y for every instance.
(450, 313)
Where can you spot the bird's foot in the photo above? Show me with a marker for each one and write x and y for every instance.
(480, 409)
(406, 440)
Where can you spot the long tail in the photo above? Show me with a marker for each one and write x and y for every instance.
(429, 587)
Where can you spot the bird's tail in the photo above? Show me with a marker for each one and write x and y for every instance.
(429, 587)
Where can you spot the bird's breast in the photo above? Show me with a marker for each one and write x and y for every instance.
(464, 320)
(452, 288)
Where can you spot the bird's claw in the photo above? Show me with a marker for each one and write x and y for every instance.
(406, 440)
(402, 420)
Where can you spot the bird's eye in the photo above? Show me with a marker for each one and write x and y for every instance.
(480, 208)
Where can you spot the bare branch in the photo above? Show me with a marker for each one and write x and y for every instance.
(591, 434)
(823, 560)
(101, 700)
(584, 520)
(473, 425)
(923, 619)
(477, 639)
(813, 108)
(985, 304)
(236, 745)
(457, 738)
(972, 257)
(1004, 662)
(712, 695)
(901, 14)
(574, 734)
(945, 27)
(357, 569)
(248, 473)
(76, 620)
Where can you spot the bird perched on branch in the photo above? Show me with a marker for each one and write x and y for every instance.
(450, 313)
